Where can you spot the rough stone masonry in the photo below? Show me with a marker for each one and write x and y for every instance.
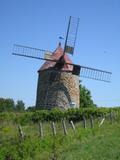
(57, 88)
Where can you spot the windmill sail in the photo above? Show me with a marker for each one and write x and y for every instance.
(96, 74)
(30, 52)
(71, 35)
(85, 72)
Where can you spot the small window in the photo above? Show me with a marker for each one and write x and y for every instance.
(76, 69)
(72, 105)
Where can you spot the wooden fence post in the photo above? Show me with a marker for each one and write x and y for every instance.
(84, 122)
(73, 126)
(53, 129)
(111, 117)
(102, 121)
(114, 115)
(64, 127)
(41, 129)
(91, 121)
(22, 135)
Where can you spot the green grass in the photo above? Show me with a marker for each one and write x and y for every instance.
(102, 144)
(85, 144)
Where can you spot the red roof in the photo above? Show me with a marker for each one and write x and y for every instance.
(56, 56)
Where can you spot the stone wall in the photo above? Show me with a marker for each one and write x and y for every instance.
(57, 89)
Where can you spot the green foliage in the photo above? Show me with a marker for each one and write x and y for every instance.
(44, 115)
(85, 98)
(55, 114)
(22, 118)
(31, 108)
(40, 116)
(84, 144)
(20, 106)
(7, 117)
(6, 104)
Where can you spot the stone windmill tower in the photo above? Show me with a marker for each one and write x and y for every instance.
(57, 88)
(58, 77)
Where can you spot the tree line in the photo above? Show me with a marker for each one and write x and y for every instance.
(8, 104)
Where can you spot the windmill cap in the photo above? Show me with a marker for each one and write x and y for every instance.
(56, 56)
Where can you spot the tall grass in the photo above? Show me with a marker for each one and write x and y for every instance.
(98, 143)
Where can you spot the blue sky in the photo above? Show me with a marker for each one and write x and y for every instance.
(39, 23)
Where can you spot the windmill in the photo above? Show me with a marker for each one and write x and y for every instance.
(58, 80)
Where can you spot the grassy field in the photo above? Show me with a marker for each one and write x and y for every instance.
(99, 143)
